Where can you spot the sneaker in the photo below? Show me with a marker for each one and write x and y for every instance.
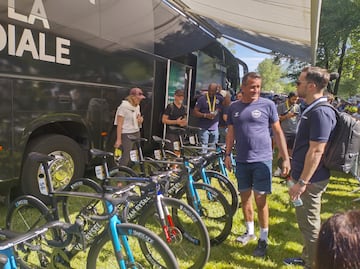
(246, 238)
(294, 261)
(260, 250)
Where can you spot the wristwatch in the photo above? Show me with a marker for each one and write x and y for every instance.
(301, 182)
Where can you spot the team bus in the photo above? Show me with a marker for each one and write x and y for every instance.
(65, 67)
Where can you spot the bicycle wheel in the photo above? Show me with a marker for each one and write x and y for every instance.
(80, 208)
(189, 239)
(213, 209)
(120, 171)
(149, 168)
(101, 253)
(224, 185)
(24, 214)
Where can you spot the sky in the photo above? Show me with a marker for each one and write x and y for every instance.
(250, 57)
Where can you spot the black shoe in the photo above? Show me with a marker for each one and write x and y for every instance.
(260, 250)
(294, 261)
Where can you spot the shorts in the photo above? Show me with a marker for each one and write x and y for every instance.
(290, 139)
(256, 176)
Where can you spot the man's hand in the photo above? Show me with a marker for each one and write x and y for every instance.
(228, 163)
(181, 122)
(285, 168)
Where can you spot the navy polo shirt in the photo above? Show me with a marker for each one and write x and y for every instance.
(317, 126)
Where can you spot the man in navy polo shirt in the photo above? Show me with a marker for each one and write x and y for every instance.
(207, 109)
(248, 124)
(308, 172)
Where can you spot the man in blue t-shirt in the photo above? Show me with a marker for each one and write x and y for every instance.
(308, 172)
(248, 125)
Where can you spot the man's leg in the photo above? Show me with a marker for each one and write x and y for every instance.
(263, 210)
(204, 139)
(243, 175)
(308, 218)
(262, 176)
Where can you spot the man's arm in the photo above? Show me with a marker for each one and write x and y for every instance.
(229, 145)
(312, 160)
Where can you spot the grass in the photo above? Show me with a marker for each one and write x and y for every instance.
(284, 237)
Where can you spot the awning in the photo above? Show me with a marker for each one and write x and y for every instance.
(289, 27)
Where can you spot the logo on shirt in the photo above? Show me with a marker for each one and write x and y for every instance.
(256, 114)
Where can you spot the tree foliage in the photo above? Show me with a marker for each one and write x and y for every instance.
(272, 76)
(338, 48)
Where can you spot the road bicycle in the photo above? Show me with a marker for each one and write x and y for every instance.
(113, 244)
(203, 174)
(173, 220)
(208, 202)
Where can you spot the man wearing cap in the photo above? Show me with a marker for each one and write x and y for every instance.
(175, 115)
(128, 119)
(207, 109)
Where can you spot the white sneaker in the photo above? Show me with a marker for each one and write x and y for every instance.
(277, 172)
(246, 238)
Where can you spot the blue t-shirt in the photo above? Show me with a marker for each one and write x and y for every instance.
(314, 126)
(203, 105)
(251, 129)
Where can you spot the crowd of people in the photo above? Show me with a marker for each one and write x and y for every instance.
(253, 125)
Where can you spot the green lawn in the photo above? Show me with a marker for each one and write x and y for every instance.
(284, 236)
(285, 239)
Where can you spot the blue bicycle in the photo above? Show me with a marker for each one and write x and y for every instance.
(112, 244)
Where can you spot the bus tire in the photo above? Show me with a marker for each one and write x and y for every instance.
(68, 165)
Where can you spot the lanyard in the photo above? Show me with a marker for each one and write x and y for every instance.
(211, 107)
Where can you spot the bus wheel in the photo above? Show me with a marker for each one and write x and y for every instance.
(69, 163)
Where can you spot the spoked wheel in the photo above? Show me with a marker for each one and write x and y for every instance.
(213, 209)
(224, 185)
(184, 232)
(26, 213)
(148, 250)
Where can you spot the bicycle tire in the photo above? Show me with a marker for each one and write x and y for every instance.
(121, 171)
(24, 214)
(223, 184)
(73, 206)
(189, 240)
(101, 253)
(150, 167)
(215, 212)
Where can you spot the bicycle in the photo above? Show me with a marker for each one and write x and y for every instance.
(207, 201)
(122, 245)
(201, 173)
(176, 222)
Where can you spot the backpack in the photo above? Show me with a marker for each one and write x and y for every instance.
(342, 150)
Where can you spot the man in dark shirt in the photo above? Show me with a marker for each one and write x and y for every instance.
(308, 172)
(175, 114)
(207, 109)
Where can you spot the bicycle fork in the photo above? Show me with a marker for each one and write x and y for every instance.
(165, 218)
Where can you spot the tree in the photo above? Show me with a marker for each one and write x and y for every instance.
(338, 38)
(271, 74)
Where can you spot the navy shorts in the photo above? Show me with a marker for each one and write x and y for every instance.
(256, 176)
